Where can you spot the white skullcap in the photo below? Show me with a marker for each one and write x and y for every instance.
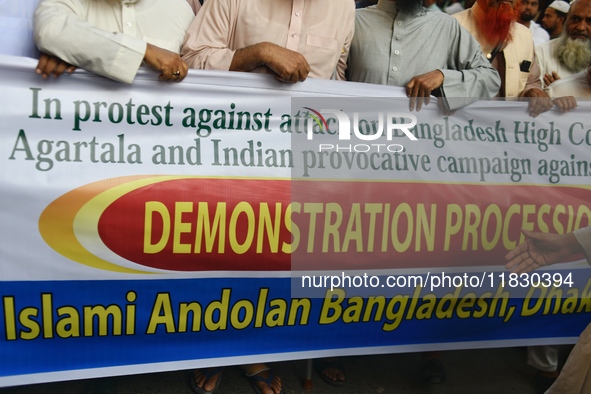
(560, 5)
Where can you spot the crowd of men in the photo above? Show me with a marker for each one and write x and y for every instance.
(394, 43)
(488, 48)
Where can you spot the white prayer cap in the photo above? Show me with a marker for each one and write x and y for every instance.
(560, 5)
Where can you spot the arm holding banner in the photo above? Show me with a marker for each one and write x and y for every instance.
(540, 101)
(543, 249)
(450, 64)
(468, 73)
(208, 46)
(288, 66)
(88, 35)
(421, 87)
(52, 65)
(289, 41)
(60, 30)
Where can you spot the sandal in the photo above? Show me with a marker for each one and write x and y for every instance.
(255, 378)
(208, 373)
(322, 364)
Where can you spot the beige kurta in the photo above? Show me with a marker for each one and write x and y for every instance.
(320, 30)
(521, 49)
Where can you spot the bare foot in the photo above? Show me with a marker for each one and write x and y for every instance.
(331, 371)
(334, 374)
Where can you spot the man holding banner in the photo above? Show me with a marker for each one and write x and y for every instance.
(113, 38)
(290, 40)
(284, 39)
(510, 49)
(449, 64)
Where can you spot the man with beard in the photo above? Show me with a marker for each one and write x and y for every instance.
(394, 45)
(528, 9)
(571, 53)
(510, 49)
(555, 17)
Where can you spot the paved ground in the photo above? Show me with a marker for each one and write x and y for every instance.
(486, 371)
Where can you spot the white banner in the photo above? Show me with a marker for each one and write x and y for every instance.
(145, 219)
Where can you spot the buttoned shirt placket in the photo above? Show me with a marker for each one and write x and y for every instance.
(395, 51)
(128, 17)
(295, 25)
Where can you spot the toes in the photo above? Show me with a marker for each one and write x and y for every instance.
(199, 377)
(273, 388)
(203, 381)
(334, 374)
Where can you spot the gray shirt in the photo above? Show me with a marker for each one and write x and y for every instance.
(390, 48)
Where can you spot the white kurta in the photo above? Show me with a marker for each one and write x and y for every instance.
(549, 62)
(110, 37)
(576, 85)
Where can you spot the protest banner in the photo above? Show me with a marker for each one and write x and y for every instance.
(163, 226)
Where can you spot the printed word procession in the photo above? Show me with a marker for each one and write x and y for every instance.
(341, 228)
